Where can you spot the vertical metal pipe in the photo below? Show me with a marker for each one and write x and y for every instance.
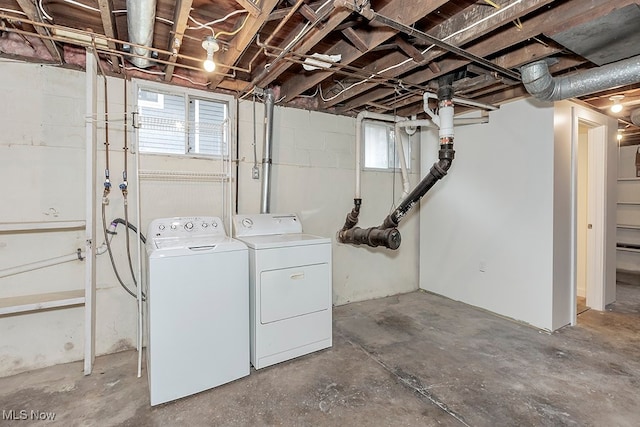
(265, 201)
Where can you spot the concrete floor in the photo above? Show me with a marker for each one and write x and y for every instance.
(413, 359)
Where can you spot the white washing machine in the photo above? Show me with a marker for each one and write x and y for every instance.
(197, 307)
(289, 288)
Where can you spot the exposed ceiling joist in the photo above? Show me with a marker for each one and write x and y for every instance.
(409, 49)
(251, 7)
(355, 39)
(513, 59)
(314, 36)
(180, 19)
(30, 9)
(108, 26)
(478, 20)
(242, 40)
(406, 11)
(379, 69)
(568, 11)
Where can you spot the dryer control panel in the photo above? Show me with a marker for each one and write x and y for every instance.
(186, 226)
(266, 224)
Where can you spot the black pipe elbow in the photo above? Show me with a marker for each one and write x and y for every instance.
(373, 237)
(352, 217)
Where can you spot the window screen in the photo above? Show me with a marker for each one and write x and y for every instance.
(181, 124)
(380, 150)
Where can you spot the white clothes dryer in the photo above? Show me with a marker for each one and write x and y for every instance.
(197, 307)
(290, 288)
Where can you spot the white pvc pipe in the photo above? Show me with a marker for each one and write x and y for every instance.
(403, 164)
(446, 121)
(359, 118)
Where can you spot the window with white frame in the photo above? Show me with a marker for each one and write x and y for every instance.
(380, 149)
(182, 122)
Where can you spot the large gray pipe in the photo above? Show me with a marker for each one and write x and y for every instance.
(141, 18)
(265, 201)
(539, 82)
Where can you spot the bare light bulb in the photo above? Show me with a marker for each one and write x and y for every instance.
(616, 107)
(210, 45)
(208, 64)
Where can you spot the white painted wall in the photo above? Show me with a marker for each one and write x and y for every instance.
(487, 228)
(497, 232)
(42, 161)
(42, 164)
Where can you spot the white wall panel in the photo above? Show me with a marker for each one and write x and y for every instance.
(487, 228)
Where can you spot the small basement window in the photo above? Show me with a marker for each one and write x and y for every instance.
(183, 123)
(380, 150)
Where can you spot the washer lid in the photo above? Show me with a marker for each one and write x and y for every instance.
(283, 240)
(193, 245)
(188, 242)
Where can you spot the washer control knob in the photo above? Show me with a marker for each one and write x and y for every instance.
(205, 225)
(173, 226)
(188, 226)
(161, 227)
(215, 224)
(247, 223)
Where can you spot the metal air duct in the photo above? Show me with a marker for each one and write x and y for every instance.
(635, 117)
(141, 18)
(265, 201)
(540, 83)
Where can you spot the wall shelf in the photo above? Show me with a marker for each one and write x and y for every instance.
(27, 303)
(628, 226)
(12, 227)
(628, 249)
(629, 179)
(629, 203)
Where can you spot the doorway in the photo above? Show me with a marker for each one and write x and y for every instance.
(591, 217)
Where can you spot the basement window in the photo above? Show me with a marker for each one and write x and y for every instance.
(380, 149)
(183, 122)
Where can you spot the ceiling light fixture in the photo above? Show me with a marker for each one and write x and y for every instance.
(210, 45)
(616, 107)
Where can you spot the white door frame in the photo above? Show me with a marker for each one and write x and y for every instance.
(596, 216)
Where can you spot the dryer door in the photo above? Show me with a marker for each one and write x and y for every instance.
(295, 291)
